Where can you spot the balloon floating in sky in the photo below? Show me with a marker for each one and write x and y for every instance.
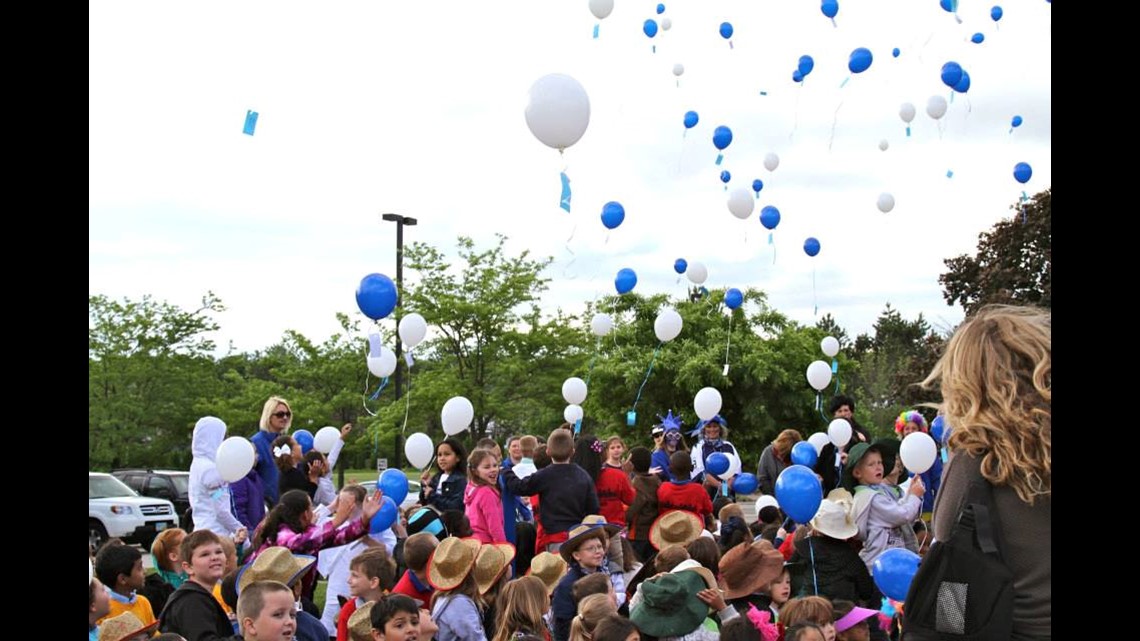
(996, 13)
(883, 144)
(964, 83)
(725, 177)
(680, 265)
(691, 119)
(601, 8)
(1022, 172)
(660, 9)
(740, 203)
(895, 52)
(376, 296)
(978, 38)
(726, 30)
(906, 112)
(625, 280)
(769, 217)
(806, 64)
(612, 214)
(829, 8)
(722, 137)
(1016, 122)
(557, 110)
(936, 107)
(886, 202)
(951, 74)
(650, 27)
(811, 246)
(757, 185)
(678, 69)
(949, 6)
(797, 76)
(860, 60)
(666, 23)
(733, 298)
(771, 161)
(697, 273)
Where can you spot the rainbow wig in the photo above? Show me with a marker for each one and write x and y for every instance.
(911, 416)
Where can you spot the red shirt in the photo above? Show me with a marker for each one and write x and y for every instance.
(615, 493)
(688, 496)
(342, 620)
(407, 586)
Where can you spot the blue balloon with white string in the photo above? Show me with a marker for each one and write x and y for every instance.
(798, 492)
(733, 298)
(978, 38)
(860, 60)
(680, 265)
(612, 214)
(811, 246)
(895, 52)
(894, 570)
(722, 137)
(625, 280)
(951, 73)
(805, 66)
(650, 27)
(996, 13)
(691, 119)
(376, 296)
(1016, 122)
(829, 8)
(1022, 172)
(726, 30)
(769, 217)
(304, 438)
(964, 83)
(757, 185)
(660, 9)
(797, 76)
(385, 517)
(949, 6)
(725, 176)
(394, 484)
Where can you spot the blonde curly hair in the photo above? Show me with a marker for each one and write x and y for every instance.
(996, 378)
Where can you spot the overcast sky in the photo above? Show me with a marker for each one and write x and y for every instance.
(417, 108)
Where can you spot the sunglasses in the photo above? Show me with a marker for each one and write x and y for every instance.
(283, 414)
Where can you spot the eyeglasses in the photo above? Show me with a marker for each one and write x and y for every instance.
(283, 414)
(591, 548)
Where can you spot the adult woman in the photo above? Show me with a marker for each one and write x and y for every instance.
(774, 459)
(276, 417)
(666, 440)
(714, 438)
(996, 378)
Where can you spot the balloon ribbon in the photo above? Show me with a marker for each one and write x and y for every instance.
(596, 30)
(383, 384)
(647, 373)
(729, 343)
(565, 200)
(719, 158)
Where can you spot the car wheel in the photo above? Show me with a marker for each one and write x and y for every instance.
(96, 535)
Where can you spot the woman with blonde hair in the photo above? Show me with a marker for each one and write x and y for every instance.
(775, 458)
(996, 378)
(591, 610)
(522, 606)
(276, 417)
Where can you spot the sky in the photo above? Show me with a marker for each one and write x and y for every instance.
(417, 108)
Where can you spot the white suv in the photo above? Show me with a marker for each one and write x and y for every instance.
(115, 510)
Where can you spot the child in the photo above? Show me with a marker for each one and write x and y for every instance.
(596, 583)
(851, 621)
(265, 610)
(288, 458)
(682, 493)
(445, 490)
(643, 508)
(372, 573)
(168, 574)
(192, 610)
(456, 607)
(209, 494)
(120, 568)
(585, 551)
(522, 606)
(491, 571)
(525, 467)
(780, 592)
(815, 610)
(333, 562)
(733, 530)
(481, 498)
(615, 493)
(705, 551)
(414, 583)
(614, 627)
(125, 627)
(747, 572)
(566, 491)
(279, 564)
(231, 566)
(831, 567)
(249, 498)
(677, 604)
(397, 618)
(591, 610)
(879, 514)
(98, 606)
(326, 490)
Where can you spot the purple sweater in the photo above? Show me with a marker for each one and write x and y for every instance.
(248, 497)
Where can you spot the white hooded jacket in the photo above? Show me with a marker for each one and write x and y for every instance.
(209, 494)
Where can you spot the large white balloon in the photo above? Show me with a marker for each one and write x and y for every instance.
(886, 202)
(601, 8)
(771, 161)
(457, 414)
(734, 466)
(697, 273)
(830, 346)
(883, 144)
(573, 413)
(666, 23)
(558, 110)
(839, 431)
(707, 403)
(741, 202)
(668, 324)
(819, 375)
(918, 451)
(234, 459)
(906, 112)
(818, 440)
(325, 439)
(384, 364)
(601, 324)
(936, 107)
(574, 390)
(678, 69)
(412, 329)
(419, 450)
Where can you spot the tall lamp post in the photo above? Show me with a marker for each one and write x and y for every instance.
(400, 222)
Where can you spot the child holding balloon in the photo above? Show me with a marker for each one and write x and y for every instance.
(906, 424)
(288, 458)
(879, 514)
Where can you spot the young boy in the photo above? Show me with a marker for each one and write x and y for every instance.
(566, 492)
(880, 514)
(396, 618)
(417, 551)
(682, 493)
(332, 562)
(120, 568)
(372, 574)
(98, 607)
(643, 510)
(279, 564)
(265, 609)
(192, 610)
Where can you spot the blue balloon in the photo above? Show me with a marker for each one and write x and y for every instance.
(394, 484)
(951, 73)
(964, 84)
(806, 65)
(811, 246)
(797, 76)
(725, 176)
(1022, 172)
(384, 519)
(977, 38)
(769, 217)
(660, 9)
(1016, 121)
(805, 455)
(716, 463)
(893, 571)
(895, 52)
(860, 60)
(691, 119)
(745, 483)
(612, 214)
(304, 438)
(722, 137)
(798, 493)
(625, 281)
(733, 298)
(650, 27)
(726, 30)
(936, 428)
(680, 265)
(376, 296)
(950, 6)
(829, 8)
(996, 13)
(757, 185)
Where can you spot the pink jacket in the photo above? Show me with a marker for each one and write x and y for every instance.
(485, 512)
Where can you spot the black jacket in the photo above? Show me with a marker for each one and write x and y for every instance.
(447, 497)
(839, 571)
(195, 614)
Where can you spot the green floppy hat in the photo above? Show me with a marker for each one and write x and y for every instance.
(669, 606)
(884, 447)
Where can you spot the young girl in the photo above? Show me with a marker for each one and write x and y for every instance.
(852, 623)
(591, 610)
(456, 606)
(522, 608)
(878, 513)
(780, 591)
(809, 609)
(167, 556)
(287, 456)
(481, 498)
(615, 493)
(445, 490)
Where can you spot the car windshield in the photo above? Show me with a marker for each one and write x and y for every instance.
(181, 483)
(106, 487)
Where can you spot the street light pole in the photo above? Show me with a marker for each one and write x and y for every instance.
(400, 222)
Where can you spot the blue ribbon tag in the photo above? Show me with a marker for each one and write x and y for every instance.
(945, 457)
(949, 173)
(565, 201)
(908, 131)
(577, 426)
(719, 158)
(250, 122)
(763, 93)
(654, 48)
(834, 366)
(596, 30)
(631, 418)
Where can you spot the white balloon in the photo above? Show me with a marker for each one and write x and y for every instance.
(601, 324)
(668, 325)
(574, 390)
(601, 8)
(384, 364)
(666, 23)
(819, 375)
(830, 346)
(419, 450)
(412, 329)
(886, 202)
(573, 413)
(818, 440)
(741, 203)
(234, 459)
(678, 69)
(707, 403)
(906, 112)
(457, 414)
(764, 501)
(558, 110)
(771, 161)
(936, 107)
(734, 466)
(697, 273)
(325, 439)
(883, 144)
(918, 451)
(839, 431)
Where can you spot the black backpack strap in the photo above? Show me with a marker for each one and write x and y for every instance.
(980, 514)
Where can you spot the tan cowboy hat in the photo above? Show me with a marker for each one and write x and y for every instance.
(491, 562)
(451, 562)
(747, 569)
(591, 527)
(360, 623)
(276, 563)
(548, 567)
(124, 626)
(834, 517)
(675, 527)
(695, 566)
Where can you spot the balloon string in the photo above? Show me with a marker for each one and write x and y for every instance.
(814, 301)
(407, 403)
(365, 395)
(597, 348)
(814, 580)
(834, 123)
(647, 373)
(727, 344)
(819, 406)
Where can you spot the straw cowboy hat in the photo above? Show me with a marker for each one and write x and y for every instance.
(591, 527)
(748, 569)
(548, 567)
(360, 623)
(491, 562)
(451, 562)
(276, 563)
(675, 527)
(123, 627)
(834, 517)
